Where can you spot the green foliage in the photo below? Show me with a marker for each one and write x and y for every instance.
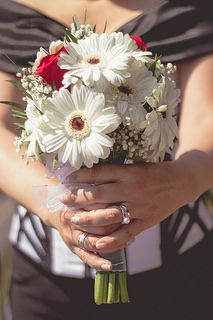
(14, 104)
(69, 36)
(16, 83)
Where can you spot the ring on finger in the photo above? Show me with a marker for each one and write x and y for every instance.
(81, 238)
(125, 214)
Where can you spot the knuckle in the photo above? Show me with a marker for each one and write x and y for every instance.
(87, 220)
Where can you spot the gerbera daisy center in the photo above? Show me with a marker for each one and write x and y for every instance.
(93, 60)
(126, 89)
(77, 125)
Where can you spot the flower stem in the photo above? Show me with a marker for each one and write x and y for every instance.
(123, 287)
(117, 289)
(99, 288)
(111, 288)
(105, 286)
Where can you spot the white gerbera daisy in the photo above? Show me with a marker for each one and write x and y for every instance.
(130, 96)
(160, 125)
(131, 47)
(97, 60)
(32, 127)
(78, 126)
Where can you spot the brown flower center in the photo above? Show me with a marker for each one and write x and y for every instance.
(77, 123)
(93, 60)
(77, 126)
(125, 89)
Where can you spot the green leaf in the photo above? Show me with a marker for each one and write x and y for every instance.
(19, 126)
(19, 114)
(152, 65)
(69, 36)
(16, 83)
(76, 23)
(14, 104)
(85, 17)
(105, 26)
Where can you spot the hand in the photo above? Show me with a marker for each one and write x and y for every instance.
(70, 233)
(151, 192)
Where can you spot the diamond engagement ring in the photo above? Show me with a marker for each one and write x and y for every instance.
(125, 214)
(81, 238)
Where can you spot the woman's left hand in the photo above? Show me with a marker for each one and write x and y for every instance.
(150, 192)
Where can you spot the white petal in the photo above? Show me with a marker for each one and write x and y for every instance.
(65, 151)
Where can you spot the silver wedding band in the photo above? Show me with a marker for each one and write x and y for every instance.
(125, 214)
(81, 238)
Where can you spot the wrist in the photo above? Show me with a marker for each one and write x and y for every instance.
(193, 172)
(50, 219)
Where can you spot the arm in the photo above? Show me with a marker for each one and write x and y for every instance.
(17, 179)
(13, 168)
(143, 188)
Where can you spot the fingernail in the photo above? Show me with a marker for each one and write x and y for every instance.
(106, 267)
(100, 245)
(75, 219)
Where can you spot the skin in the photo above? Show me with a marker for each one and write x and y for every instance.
(121, 11)
(143, 188)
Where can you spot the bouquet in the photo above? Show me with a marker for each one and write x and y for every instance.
(97, 98)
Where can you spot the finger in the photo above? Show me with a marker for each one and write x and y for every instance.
(120, 237)
(92, 259)
(99, 194)
(99, 217)
(101, 231)
(91, 228)
(97, 174)
(89, 242)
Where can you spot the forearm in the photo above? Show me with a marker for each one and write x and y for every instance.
(197, 146)
(18, 178)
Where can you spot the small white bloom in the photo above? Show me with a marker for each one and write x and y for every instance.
(77, 127)
(160, 125)
(97, 60)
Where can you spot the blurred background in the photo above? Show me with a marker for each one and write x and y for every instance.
(7, 207)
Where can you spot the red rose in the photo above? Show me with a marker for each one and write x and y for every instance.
(49, 69)
(140, 43)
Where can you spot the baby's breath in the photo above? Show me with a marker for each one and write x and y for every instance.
(35, 86)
